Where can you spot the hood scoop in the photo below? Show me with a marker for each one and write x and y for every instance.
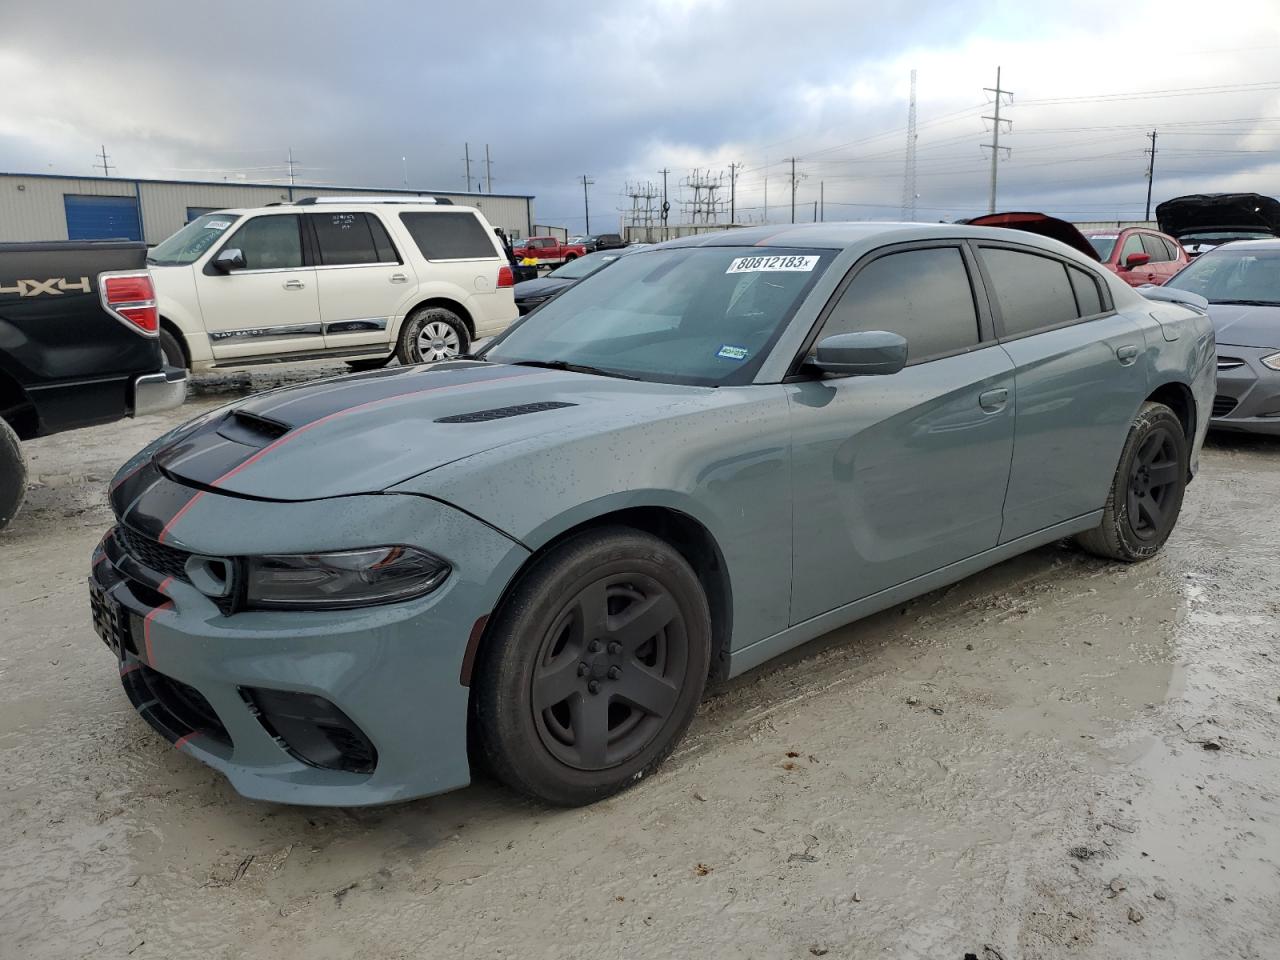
(251, 429)
(502, 413)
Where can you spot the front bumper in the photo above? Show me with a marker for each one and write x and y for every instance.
(1247, 396)
(201, 677)
(157, 392)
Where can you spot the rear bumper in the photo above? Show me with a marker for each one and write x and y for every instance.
(1247, 397)
(157, 392)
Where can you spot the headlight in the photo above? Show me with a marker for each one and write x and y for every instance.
(1272, 361)
(350, 578)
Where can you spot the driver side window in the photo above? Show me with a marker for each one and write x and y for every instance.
(269, 243)
(923, 296)
(1132, 244)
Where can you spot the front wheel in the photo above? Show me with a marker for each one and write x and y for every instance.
(171, 350)
(431, 334)
(13, 475)
(1146, 493)
(594, 667)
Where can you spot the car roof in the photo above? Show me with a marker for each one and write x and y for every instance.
(841, 235)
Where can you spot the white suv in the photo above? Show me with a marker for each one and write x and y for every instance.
(361, 279)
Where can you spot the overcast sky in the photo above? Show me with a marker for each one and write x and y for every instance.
(620, 91)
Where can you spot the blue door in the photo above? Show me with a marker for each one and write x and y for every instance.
(102, 218)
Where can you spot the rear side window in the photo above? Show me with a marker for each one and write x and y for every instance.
(1169, 245)
(1155, 246)
(382, 242)
(922, 295)
(343, 238)
(269, 243)
(449, 236)
(1032, 292)
(1088, 297)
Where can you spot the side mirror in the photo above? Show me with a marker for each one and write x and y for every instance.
(1136, 260)
(231, 258)
(864, 353)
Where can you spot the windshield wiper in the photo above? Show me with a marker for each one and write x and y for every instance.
(1249, 303)
(572, 368)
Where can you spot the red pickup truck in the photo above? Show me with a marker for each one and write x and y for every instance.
(548, 250)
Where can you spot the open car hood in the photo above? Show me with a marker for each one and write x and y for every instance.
(1041, 224)
(1203, 212)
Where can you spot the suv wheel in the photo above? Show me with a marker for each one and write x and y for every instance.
(594, 667)
(13, 475)
(171, 350)
(430, 334)
(1146, 494)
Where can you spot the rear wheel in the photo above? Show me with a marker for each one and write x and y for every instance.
(171, 350)
(594, 667)
(430, 334)
(1146, 494)
(13, 475)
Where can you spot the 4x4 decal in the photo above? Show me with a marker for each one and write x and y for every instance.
(56, 286)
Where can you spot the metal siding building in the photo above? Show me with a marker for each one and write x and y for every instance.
(36, 206)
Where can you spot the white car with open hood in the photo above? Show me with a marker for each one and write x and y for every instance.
(361, 279)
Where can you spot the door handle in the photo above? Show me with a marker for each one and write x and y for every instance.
(294, 284)
(993, 401)
(399, 278)
(1127, 353)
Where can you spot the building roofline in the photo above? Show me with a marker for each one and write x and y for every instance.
(268, 186)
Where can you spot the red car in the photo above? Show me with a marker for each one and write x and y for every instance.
(1135, 254)
(548, 250)
(1138, 255)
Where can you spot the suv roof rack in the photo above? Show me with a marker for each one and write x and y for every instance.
(309, 201)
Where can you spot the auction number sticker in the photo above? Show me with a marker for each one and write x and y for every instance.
(217, 224)
(769, 264)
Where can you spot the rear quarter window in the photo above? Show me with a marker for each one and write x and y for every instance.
(1032, 292)
(450, 235)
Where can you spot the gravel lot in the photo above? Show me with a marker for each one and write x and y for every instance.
(1059, 757)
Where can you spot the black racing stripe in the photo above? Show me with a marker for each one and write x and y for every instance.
(206, 460)
(157, 505)
(311, 402)
(131, 487)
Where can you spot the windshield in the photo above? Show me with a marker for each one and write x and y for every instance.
(1233, 274)
(584, 266)
(698, 315)
(1104, 243)
(187, 245)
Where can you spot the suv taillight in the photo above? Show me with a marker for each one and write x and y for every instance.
(131, 299)
(505, 277)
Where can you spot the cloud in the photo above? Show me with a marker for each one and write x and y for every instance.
(621, 91)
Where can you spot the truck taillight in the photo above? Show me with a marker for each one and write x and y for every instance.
(505, 277)
(131, 299)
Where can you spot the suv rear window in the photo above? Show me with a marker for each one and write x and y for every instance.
(450, 236)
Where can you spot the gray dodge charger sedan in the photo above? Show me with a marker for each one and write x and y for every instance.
(349, 592)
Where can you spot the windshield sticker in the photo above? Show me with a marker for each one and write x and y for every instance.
(217, 224)
(1104, 236)
(763, 264)
(734, 353)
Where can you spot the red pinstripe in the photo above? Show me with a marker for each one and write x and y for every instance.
(146, 622)
(315, 423)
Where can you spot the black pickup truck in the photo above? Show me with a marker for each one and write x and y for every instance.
(78, 346)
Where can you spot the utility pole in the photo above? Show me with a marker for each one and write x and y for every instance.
(103, 157)
(909, 169)
(733, 190)
(994, 145)
(586, 202)
(1151, 171)
(666, 207)
(815, 211)
(488, 170)
(795, 182)
(466, 158)
(404, 164)
(822, 200)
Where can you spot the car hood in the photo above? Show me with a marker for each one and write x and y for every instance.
(1245, 326)
(367, 432)
(1201, 212)
(542, 287)
(1042, 225)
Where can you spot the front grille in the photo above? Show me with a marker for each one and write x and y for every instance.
(312, 729)
(1223, 405)
(152, 554)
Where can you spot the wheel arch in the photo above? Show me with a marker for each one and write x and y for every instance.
(683, 532)
(17, 408)
(449, 303)
(177, 334)
(1177, 396)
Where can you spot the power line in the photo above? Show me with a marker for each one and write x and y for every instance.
(994, 145)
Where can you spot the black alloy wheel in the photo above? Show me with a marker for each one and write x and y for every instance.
(593, 666)
(1154, 477)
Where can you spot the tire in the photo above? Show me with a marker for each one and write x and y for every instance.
(13, 475)
(375, 363)
(594, 740)
(1146, 494)
(431, 334)
(171, 350)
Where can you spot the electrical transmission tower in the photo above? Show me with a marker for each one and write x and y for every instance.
(994, 145)
(909, 170)
(705, 207)
(643, 212)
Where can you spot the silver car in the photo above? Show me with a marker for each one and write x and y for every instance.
(1241, 281)
(714, 451)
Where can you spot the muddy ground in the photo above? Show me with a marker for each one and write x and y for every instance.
(1059, 757)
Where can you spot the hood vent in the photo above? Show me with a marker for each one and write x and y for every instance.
(501, 413)
(251, 429)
